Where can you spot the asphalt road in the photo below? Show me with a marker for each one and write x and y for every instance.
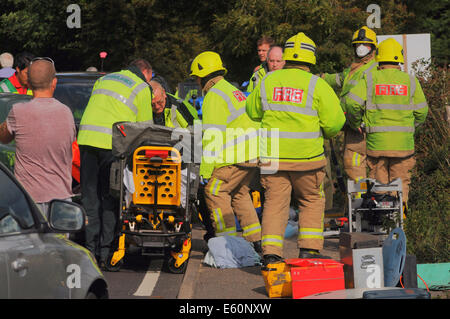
(143, 277)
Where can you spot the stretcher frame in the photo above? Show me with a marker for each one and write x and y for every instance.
(129, 138)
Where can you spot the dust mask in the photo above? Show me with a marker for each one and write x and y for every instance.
(362, 50)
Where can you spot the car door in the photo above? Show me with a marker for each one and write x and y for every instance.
(28, 264)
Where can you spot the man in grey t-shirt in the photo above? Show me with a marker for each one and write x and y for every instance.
(44, 131)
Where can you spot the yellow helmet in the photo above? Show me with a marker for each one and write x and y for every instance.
(389, 50)
(300, 48)
(206, 63)
(366, 36)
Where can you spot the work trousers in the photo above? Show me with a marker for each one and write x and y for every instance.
(102, 209)
(226, 194)
(308, 191)
(355, 158)
(386, 169)
(328, 184)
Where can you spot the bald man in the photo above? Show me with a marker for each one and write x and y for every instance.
(168, 110)
(44, 131)
(275, 58)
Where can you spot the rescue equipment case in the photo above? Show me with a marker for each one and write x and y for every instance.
(300, 277)
(374, 207)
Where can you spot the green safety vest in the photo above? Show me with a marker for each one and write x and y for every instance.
(391, 103)
(230, 136)
(345, 82)
(7, 87)
(298, 109)
(115, 97)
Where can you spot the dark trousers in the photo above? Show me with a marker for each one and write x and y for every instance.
(102, 209)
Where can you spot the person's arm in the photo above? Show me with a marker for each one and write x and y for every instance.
(5, 136)
(331, 116)
(253, 104)
(421, 111)
(214, 123)
(354, 104)
(144, 105)
(335, 80)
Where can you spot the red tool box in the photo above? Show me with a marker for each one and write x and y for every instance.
(311, 276)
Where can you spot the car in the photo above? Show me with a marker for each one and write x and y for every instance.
(72, 89)
(36, 258)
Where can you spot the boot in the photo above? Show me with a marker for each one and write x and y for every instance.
(272, 259)
(257, 246)
(311, 254)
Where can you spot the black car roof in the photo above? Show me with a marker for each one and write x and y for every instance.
(79, 75)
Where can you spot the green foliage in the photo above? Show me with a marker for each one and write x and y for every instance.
(171, 33)
(427, 224)
(433, 18)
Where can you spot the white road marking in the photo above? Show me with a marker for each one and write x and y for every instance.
(148, 284)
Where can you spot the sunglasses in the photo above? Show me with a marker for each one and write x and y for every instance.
(42, 59)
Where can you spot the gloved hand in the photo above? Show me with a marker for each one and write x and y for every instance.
(203, 181)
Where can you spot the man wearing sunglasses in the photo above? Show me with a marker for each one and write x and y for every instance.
(18, 82)
(44, 131)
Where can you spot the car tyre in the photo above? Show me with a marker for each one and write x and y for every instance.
(91, 295)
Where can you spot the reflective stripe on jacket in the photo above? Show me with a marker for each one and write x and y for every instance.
(298, 109)
(391, 103)
(345, 81)
(116, 97)
(6, 86)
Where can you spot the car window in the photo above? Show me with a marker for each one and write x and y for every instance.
(74, 95)
(15, 212)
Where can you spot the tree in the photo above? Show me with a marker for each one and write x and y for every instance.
(330, 24)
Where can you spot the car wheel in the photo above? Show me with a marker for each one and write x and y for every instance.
(91, 295)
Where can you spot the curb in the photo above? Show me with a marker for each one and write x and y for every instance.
(187, 288)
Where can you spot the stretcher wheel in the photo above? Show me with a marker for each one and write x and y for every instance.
(113, 268)
(170, 263)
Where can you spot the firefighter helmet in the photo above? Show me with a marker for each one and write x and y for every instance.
(389, 50)
(300, 48)
(365, 36)
(206, 63)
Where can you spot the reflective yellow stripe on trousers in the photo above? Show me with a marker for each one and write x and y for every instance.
(251, 229)
(272, 240)
(310, 233)
(220, 224)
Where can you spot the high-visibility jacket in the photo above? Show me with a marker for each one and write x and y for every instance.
(298, 109)
(115, 97)
(257, 77)
(391, 103)
(12, 85)
(230, 136)
(179, 113)
(343, 82)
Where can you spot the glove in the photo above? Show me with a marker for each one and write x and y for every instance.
(203, 181)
